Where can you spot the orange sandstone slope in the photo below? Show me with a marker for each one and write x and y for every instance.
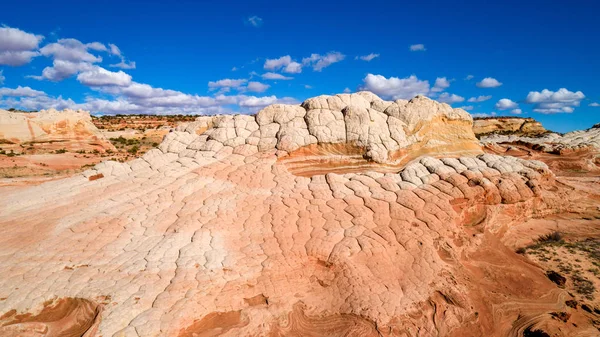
(344, 216)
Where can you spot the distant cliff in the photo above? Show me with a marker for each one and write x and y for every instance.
(507, 126)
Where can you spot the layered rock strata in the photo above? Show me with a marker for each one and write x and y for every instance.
(507, 126)
(68, 129)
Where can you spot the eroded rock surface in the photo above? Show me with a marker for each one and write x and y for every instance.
(66, 129)
(218, 233)
(553, 142)
(507, 126)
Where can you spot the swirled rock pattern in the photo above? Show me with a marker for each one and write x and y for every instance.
(218, 233)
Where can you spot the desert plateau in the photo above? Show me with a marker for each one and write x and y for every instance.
(311, 169)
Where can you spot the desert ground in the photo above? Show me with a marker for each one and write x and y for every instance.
(345, 215)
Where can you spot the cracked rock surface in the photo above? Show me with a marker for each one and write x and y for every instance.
(344, 216)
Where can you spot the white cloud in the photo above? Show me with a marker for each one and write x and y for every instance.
(479, 99)
(319, 62)
(594, 104)
(561, 101)
(70, 50)
(99, 76)
(234, 69)
(254, 21)
(226, 83)
(516, 111)
(259, 102)
(491, 114)
(367, 58)
(417, 47)
(466, 107)
(505, 104)
(114, 49)
(441, 84)
(17, 58)
(13, 39)
(394, 87)
(293, 68)
(274, 64)
(21, 92)
(124, 65)
(2, 78)
(347, 90)
(306, 86)
(450, 98)
(489, 82)
(17, 47)
(62, 69)
(96, 46)
(284, 62)
(469, 77)
(275, 76)
(257, 87)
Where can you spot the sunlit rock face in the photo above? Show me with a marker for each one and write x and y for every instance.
(67, 129)
(507, 126)
(343, 216)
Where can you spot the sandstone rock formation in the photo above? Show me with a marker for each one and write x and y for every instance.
(68, 129)
(507, 126)
(344, 216)
(553, 142)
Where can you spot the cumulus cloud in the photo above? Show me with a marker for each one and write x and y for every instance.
(479, 99)
(275, 76)
(254, 21)
(17, 47)
(257, 87)
(226, 83)
(293, 68)
(560, 101)
(367, 58)
(489, 82)
(284, 62)
(99, 76)
(466, 107)
(516, 111)
(306, 86)
(417, 47)
(62, 69)
(70, 50)
(319, 62)
(505, 104)
(347, 90)
(450, 98)
(594, 104)
(394, 87)
(469, 77)
(2, 78)
(21, 92)
(274, 64)
(441, 84)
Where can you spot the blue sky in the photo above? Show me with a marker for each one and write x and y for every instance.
(539, 59)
